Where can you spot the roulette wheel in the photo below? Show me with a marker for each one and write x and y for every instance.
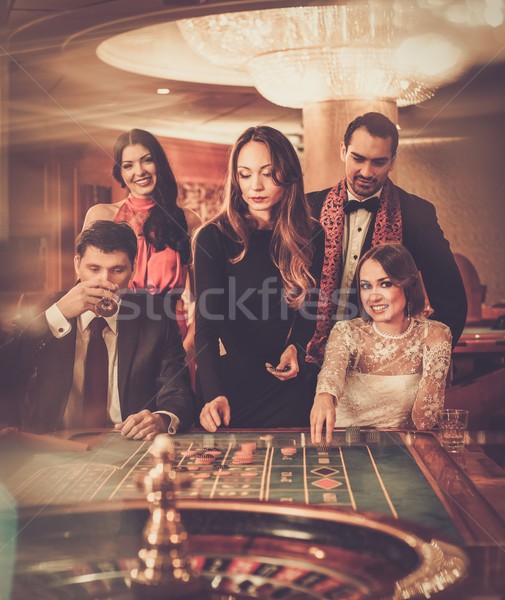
(243, 549)
(222, 549)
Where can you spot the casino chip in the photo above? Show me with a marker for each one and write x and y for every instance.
(372, 437)
(248, 446)
(191, 453)
(288, 451)
(352, 435)
(242, 454)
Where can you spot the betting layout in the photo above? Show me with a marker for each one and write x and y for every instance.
(280, 468)
(364, 471)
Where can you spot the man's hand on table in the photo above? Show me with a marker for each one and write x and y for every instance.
(143, 425)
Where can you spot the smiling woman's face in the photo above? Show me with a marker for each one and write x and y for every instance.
(138, 170)
(381, 298)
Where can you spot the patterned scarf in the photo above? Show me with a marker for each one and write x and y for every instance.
(388, 228)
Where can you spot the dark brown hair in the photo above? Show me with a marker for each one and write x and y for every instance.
(400, 267)
(377, 125)
(108, 237)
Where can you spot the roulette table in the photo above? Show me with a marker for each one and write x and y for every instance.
(268, 514)
(481, 339)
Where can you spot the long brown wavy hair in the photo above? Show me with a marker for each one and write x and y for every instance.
(291, 246)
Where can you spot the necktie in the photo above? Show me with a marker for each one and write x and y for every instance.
(371, 205)
(96, 377)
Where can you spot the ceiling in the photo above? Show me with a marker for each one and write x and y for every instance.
(58, 89)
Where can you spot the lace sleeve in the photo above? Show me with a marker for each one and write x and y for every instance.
(336, 360)
(436, 360)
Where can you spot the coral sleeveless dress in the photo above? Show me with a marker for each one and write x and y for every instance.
(157, 272)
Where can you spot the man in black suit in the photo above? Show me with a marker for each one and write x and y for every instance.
(46, 364)
(365, 209)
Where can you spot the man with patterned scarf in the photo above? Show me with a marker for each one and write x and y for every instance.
(366, 209)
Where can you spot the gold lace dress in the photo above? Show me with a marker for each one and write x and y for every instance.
(386, 380)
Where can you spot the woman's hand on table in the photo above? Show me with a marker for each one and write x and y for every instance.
(322, 414)
(288, 365)
(215, 413)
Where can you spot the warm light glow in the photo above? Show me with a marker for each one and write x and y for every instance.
(303, 54)
(468, 13)
(163, 91)
(317, 552)
(431, 54)
(494, 13)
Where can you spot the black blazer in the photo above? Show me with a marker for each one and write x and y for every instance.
(425, 240)
(37, 368)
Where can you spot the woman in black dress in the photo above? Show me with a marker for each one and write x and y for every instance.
(257, 266)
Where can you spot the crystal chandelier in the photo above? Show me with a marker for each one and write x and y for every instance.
(303, 54)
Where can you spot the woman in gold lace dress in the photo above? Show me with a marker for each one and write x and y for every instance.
(389, 368)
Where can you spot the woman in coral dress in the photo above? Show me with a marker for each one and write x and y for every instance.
(162, 227)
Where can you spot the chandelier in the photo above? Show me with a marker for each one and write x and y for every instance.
(366, 50)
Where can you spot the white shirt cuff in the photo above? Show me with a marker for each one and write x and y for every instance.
(58, 324)
(174, 421)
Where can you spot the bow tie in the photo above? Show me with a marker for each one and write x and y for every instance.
(371, 205)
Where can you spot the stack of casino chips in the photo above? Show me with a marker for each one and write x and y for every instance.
(245, 454)
(352, 435)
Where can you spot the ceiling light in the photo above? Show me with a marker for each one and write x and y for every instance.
(303, 54)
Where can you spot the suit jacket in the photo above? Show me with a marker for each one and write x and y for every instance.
(425, 240)
(37, 368)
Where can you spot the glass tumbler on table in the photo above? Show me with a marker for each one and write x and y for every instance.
(453, 423)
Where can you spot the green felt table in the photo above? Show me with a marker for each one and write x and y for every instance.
(406, 477)
(380, 472)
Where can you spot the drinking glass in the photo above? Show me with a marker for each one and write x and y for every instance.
(453, 423)
(106, 307)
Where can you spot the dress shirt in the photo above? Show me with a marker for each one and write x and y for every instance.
(60, 327)
(356, 227)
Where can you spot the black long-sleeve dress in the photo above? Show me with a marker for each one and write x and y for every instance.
(242, 305)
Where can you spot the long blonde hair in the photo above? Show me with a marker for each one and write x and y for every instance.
(291, 246)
